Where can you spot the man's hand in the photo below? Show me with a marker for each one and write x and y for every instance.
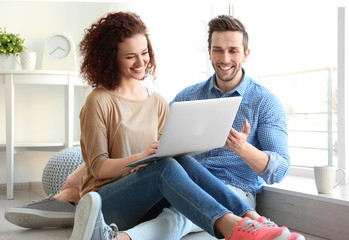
(256, 159)
(236, 140)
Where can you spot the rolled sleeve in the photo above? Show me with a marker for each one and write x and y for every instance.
(273, 138)
(276, 169)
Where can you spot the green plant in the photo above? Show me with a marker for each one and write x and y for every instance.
(10, 43)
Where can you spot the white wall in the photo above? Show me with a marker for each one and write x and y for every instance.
(178, 32)
(35, 21)
(39, 112)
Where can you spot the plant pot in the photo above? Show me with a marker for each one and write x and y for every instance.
(9, 62)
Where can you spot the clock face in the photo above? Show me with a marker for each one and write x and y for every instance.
(58, 47)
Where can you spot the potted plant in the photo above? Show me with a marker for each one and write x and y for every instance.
(11, 45)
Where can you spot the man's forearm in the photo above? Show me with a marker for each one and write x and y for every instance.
(256, 159)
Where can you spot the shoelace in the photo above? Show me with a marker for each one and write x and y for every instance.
(269, 223)
(250, 225)
(45, 198)
(112, 231)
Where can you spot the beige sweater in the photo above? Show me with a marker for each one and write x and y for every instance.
(116, 127)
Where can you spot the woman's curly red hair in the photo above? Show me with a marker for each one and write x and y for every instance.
(99, 48)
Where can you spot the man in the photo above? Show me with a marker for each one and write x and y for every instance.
(256, 151)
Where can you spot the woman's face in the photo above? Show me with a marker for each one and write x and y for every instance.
(133, 57)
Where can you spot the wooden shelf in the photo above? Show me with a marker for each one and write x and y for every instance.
(29, 145)
(40, 77)
(39, 145)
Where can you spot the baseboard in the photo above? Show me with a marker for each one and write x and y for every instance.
(31, 186)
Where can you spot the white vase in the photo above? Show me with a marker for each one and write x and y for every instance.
(11, 62)
(28, 60)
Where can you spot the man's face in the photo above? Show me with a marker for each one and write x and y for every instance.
(227, 55)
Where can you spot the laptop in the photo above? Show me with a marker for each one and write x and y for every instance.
(193, 127)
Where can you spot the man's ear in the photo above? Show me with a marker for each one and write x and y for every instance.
(209, 53)
(246, 54)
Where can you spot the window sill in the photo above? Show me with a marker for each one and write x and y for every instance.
(305, 187)
(296, 204)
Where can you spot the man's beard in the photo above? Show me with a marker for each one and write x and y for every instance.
(230, 77)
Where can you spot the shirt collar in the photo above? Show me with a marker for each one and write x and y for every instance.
(238, 91)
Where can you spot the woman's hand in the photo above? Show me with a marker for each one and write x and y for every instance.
(150, 150)
(74, 180)
(112, 168)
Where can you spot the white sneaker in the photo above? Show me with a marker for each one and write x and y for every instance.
(89, 222)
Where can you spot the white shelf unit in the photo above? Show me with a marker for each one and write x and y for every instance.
(41, 77)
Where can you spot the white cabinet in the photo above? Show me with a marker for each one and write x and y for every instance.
(11, 79)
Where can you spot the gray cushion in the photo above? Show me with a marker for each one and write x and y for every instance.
(59, 167)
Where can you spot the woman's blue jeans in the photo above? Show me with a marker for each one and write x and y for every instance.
(185, 183)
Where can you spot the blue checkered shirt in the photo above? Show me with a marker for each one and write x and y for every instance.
(268, 133)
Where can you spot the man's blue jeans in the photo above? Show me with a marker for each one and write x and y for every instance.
(188, 186)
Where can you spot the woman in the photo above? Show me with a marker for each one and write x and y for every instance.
(121, 123)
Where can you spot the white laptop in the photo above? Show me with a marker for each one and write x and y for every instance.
(194, 127)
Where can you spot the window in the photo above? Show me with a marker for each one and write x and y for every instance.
(294, 54)
(310, 100)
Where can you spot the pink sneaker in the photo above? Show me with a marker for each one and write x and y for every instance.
(293, 236)
(296, 236)
(267, 222)
(248, 229)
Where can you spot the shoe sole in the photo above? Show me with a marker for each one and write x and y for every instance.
(31, 218)
(285, 234)
(298, 238)
(86, 216)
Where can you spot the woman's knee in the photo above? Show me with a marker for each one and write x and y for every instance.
(188, 162)
(169, 167)
(167, 163)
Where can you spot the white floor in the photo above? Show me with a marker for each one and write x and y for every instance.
(9, 231)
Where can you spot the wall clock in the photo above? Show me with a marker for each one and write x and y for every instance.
(59, 53)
